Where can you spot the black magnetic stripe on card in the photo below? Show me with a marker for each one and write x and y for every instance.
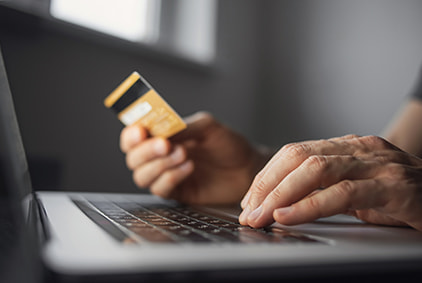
(133, 93)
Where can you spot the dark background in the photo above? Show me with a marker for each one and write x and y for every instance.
(284, 71)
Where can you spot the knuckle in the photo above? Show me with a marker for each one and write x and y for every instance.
(258, 190)
(351, 136)
(312, 204)
(276, 195)
(317, 163)
(346, 186)
(396, 171)
(345, 191)
(260, 184)
(295, 150)
(375, 141)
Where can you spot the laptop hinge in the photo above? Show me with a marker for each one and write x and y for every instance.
(38, 216)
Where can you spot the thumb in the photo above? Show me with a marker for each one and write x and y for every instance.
(197, 126)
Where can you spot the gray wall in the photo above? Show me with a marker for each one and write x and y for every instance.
(336, 66)
(286, 71)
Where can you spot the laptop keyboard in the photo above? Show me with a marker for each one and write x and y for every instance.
(134, 222)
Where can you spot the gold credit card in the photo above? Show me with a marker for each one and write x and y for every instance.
(135, 101)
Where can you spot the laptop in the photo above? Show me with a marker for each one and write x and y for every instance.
(90, 237)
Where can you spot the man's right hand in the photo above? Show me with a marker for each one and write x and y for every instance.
(207, 163)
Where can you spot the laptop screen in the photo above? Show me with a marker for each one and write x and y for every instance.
(14, 173)
(19, 258)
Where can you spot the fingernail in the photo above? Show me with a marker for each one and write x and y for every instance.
(160, 147)
(244, 215)
(255, 214)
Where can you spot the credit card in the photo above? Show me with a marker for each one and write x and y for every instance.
(135, 101)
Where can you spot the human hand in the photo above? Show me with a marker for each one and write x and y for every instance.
(363, 176)
(206, 163)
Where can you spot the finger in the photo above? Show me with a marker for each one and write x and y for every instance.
(197, 124)
(245, 200)
(148, 150)
(307, 148)
(287, 160)
(367, 144)
(391, 156)
(314, 173)
(145, 175)
(165, 185)
(339, 198)
(131, 136)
